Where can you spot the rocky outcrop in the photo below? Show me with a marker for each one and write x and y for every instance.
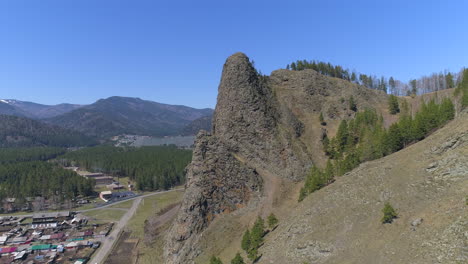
(250, 123)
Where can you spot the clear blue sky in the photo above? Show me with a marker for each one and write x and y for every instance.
(173, 51)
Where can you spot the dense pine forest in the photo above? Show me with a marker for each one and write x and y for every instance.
(24, 172)
(11, 155)
(153, 168)
(425, 84)
(364, 138)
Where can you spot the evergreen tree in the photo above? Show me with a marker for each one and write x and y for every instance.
(215, 260)
(322, 121)
(393, 106)
(352, 104)
(245, 244)
(449, 81)
(272, 221)
(394, 139)
(342, 136)
(446, 111)
(237, 259)
(389, 214)
(329, 172)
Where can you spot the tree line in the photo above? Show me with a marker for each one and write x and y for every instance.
(44, 179)
(12, 155)
(425, 84)
(365, 138)
(152, 167)
(463, 89)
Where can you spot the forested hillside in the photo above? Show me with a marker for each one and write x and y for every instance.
(202, 123)
(153, 168)
(123, 115)
(11, 155)
(24, 132)
(425, 84)
(364, 138)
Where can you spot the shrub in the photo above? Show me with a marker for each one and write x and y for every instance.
(237, 259)
(389, 214)
(322, 120)
(215, 260)
(272, 220)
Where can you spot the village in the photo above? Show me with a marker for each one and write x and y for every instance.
(56, 237)
(107, 189)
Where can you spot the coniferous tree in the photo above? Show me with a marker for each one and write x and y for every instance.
(245, 244)
(342, 136)
(389, 214)
(215, 260)
(272, 220)
(352, 104)
(237, 259)
(322, 120)
(393, 106)
(449, 81)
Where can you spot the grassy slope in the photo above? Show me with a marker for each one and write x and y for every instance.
(341, 223)
(307, 108)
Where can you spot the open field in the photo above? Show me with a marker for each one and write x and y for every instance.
(144, 228)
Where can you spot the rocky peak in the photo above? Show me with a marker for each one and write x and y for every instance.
(246, 138)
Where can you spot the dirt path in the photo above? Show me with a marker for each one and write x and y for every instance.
(109, 241)
(271, 186)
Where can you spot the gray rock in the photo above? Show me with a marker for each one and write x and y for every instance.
(416, 222)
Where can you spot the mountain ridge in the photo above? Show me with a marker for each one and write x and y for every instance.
(125, 115)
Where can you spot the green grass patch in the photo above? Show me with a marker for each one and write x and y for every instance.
(106, 215)
(150, 206)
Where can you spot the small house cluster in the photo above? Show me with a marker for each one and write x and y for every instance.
(57, 237)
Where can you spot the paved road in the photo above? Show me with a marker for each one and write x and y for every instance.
(108, 242)
(108, 205)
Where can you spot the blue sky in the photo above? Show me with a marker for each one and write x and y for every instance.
(173, 51)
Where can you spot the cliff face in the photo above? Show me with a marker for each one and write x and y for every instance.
(246, 130)
(265, 133)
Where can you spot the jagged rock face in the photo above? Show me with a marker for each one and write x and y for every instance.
(246, 124)
(248, 116)
(216, 183)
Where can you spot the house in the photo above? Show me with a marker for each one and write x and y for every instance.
(7, 250)
(18, 240)
(90, 175)
(105, 195)
(103, 180)
(50, 217)
(21, 256)
(114, 186)
(43, 247)
(121, 195)
(3, 239)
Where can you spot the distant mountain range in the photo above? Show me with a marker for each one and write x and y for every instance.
(34, 110)
(115, 116)
(24, 132)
